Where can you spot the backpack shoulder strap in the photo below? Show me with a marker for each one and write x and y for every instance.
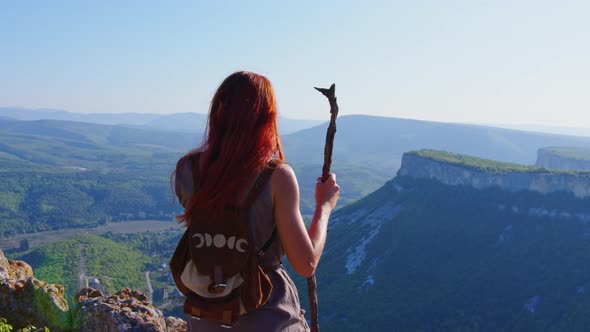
(268, 242)
(261, 181)
(195, 171)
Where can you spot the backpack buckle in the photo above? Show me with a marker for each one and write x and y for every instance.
(216, 288)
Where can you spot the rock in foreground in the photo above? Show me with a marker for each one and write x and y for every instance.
(127, 310)
(25, 300)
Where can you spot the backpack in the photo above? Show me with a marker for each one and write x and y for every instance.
(216, 265)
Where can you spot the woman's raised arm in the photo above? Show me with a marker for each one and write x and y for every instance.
(303, 247)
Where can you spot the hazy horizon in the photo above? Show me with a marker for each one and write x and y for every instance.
(534, 127)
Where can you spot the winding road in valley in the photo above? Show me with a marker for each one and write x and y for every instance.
(149, 286)
(82, 278)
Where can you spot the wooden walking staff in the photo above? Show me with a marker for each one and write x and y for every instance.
(311, 281)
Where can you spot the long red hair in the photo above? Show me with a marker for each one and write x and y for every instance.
(240, 138)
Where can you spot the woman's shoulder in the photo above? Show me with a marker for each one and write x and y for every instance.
(283, 180)
(187, 163)
(283, 171)
(184, 178)
(184, 166)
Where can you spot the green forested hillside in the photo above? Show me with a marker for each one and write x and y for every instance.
(116, 265)
(37, 201)
(485, 165)
(357, 180)
(62, 174)
(65, 144)
(59, 174)
(489, 166)
(420, 256)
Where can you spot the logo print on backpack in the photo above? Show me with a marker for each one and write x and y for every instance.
(219, 241)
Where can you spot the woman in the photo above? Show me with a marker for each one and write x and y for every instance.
(241, 138)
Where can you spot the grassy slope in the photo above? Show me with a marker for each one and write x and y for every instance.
(116, 265)
(487, 165)
(570, 152)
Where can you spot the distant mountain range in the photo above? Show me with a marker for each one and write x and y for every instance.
(183, 122)
(367, 153)
(381, 141)
(572, 131)
(373, 146)
(192, 122)
(92, 146)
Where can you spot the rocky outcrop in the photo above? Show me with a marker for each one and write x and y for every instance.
(127, 310)
(456, 174)
(555, 158)
(25, 300)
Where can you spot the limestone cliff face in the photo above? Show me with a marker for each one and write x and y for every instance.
(414, 165)
(25, 300)
(548, 158)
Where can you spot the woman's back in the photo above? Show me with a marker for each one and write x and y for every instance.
(282, 312)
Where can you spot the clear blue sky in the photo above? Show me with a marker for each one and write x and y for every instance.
(456, 61)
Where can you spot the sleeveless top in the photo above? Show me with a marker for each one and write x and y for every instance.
(282, 312)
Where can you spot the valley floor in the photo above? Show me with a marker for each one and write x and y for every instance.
(43, 238)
